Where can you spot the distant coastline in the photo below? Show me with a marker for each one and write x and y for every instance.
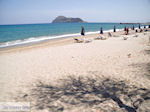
(130, 23)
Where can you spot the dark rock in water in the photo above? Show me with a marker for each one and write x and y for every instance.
(63, 19)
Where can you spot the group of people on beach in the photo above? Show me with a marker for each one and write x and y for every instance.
(140, 29)
(125, 29)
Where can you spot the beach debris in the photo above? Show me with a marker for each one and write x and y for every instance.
(109, 34)
(145, 30)
(25, 95)
(82, 31)
(125, 38)
(82, 40)
(129, 55)
(136, 30)
(101, 30)
(114, 28)
(78, 40)
(115, 35)
(100, 38)
(87, 40)
(141, 30)
(135, 36)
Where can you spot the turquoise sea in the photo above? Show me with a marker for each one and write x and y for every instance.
(11, 35)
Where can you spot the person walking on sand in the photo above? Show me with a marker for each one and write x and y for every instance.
(82, 31)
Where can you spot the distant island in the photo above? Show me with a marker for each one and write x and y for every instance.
(63, 19)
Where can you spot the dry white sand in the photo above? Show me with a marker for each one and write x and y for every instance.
(114, 57)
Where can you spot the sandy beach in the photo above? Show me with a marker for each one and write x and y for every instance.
(127, 60)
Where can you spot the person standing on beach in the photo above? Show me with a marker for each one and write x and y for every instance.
(139, 26)
(101, 30)
(114, 28)
(133, 27)
(127, 31)
(125, 28)
(82, 31)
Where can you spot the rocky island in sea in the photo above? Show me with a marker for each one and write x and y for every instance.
(63, 19)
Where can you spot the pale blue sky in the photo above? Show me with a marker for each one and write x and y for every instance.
(44, 11)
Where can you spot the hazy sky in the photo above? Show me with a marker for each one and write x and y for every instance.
(44, 11)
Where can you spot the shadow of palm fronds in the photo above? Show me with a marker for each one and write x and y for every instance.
(88, 92)
(148, 64)
(145, 67)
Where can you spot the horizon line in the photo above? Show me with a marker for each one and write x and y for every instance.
(76, 22)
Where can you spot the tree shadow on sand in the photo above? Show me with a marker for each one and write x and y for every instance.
(147, 52)
(75, 91)
(147, 65)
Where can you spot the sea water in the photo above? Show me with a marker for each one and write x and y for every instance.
(11, 35)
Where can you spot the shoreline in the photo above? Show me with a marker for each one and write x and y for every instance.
(55, 41)
(32, 41)
(62, 41)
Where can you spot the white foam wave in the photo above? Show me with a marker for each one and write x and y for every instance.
(44, 38)
(34, 40)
